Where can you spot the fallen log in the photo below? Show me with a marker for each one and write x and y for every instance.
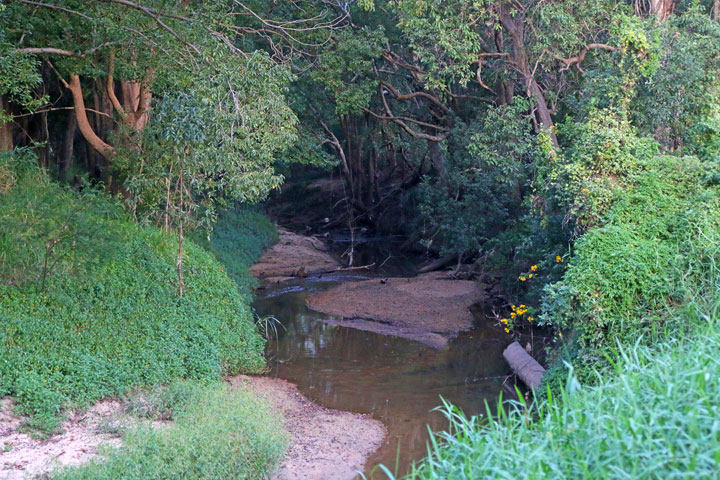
(524, 366)
(437, 264)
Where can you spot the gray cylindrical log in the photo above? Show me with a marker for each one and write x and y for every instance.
(524, 366)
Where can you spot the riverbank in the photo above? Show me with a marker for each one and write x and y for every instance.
(324, 443)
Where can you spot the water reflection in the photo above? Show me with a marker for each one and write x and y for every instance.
(396, 380)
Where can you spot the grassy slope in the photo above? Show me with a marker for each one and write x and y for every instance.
(109, 318)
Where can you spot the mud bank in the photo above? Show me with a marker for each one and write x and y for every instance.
(294, 256)
(324, 443)
(429, 308)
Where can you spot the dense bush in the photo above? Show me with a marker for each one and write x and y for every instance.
(217, 433)
(245, 227)
(89, 302)
(658, 247)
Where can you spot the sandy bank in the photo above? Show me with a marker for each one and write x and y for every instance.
(294, 256)
(429, 308)
(325, 444)
(22, 456)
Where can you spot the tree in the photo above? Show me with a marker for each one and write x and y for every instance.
(211, 144)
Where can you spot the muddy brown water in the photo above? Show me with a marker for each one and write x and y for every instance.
(397, 381)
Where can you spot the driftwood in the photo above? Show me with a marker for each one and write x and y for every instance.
(437, 264)
(524, 366)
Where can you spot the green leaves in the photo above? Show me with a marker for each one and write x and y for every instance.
(222, 136)
(109, 318)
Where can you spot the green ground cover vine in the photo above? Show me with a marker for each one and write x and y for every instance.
(89, 306)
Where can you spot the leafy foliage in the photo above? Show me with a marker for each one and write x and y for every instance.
(108, 319)
(657, 250)
(481, 190)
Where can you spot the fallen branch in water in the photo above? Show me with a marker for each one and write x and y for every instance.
(524, 366)
(344, 269)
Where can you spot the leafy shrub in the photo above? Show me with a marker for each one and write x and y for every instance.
(217, 433)
(107, 316)
(479, 193)
(658, 248)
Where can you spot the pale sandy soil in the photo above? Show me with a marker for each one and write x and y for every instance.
(22, 456)
(429, 308)
(325, 444)
(294, 256)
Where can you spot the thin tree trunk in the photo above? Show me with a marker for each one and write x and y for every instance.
(6, 130)
(716, 10)
(68, 144)
(181, 280)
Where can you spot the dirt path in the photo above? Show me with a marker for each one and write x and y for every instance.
(22, 456)
(293, 256)
(429, 308)
(325, 444)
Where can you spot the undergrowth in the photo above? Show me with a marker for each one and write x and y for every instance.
(216, 433)
(89, 304)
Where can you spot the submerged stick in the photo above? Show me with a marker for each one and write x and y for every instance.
(524, 366)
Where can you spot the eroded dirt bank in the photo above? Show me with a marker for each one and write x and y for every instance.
(294, 256)
(429, 308)
(325, 444)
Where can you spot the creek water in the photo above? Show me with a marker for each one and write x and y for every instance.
(397, 381)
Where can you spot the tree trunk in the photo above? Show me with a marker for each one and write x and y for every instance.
(83, 123)
(716, 10)
(68, 144)
(661, 9)
(515, 27)
(438, 160)
(6, 130)
(181, 279)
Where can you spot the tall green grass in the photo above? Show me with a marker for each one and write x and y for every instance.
(655, 418)
(217, 433)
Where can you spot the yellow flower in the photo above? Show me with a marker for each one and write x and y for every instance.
(507, 330)
(522, 279)
(534, 268)
(512, 315)
(504, 320)
(558, 259)
(530, 319)
(522, 306)
(513, 308)
(530, 276)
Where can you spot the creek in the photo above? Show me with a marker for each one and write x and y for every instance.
(395, 380)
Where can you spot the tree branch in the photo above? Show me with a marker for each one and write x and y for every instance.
(96, 142)
(580, 57)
